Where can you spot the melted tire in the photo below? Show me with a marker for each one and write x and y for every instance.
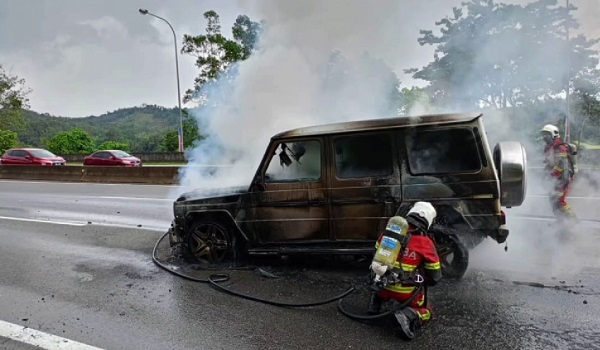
(453, 253)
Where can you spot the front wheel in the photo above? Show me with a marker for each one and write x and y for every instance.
(210, 242)
(454, 255)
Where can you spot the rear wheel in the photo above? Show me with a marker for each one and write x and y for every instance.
(209, 242)
(454, 255)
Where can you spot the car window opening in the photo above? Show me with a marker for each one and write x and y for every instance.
(443, 152)
(295, 161)
(363, 156)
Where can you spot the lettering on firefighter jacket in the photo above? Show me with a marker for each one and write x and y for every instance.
(419, 255)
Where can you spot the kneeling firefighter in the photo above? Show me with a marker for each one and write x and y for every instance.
(406, 261)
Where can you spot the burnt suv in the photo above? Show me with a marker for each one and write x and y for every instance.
(330, 189)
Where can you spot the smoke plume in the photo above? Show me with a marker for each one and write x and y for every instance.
(327, 61)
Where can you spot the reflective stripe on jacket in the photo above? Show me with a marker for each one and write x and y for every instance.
(420, 254)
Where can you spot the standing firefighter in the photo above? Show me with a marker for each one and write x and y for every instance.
(559, 165)
(417, 264)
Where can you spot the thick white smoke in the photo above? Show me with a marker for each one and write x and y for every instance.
(289, 81)
(285, 84)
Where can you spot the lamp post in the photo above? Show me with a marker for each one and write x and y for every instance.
(568, 90)
(180, 131)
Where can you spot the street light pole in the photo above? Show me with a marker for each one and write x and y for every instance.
(180, 131)
(568, 118)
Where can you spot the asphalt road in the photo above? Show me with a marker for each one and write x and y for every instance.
(96, 283)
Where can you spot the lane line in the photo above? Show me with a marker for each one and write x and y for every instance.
(40, 339)
(568, 197)
(136, 198)
(86, 183)
(79, 224)
(69, 223)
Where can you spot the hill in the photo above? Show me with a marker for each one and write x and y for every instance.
(142, 127)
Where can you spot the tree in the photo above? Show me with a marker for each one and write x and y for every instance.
(191, 134)
(76, 141)
(13, 99)
(491, 54)
(8, 140)
(216, 55)
(411, 99)
(148, 143)
(114, 145)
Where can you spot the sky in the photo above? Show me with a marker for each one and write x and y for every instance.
(90, 57)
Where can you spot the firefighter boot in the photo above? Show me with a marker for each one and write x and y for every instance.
(374, 304)
(408, 322)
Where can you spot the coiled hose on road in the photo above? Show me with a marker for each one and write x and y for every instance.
(216, 278)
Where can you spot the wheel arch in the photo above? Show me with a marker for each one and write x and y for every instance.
(220, 216)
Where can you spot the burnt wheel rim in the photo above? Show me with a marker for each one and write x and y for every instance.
(209, 242)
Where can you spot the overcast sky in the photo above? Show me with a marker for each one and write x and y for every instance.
(88, 57)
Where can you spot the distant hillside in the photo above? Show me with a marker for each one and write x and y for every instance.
(142, 127)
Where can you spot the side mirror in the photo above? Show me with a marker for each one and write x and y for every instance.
(28, 157)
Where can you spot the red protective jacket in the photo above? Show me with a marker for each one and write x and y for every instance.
(421, 255)
(557, 161)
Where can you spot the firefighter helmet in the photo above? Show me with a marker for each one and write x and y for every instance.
(551, 129)
(424, 211)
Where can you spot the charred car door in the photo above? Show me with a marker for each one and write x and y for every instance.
(287, 201)
(364, 183)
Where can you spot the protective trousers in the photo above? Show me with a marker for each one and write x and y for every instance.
(418, 304)
(558, 201)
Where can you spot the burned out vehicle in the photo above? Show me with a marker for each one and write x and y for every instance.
(330, 189)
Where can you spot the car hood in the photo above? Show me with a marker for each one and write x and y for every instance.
(213, 195)
(130, 159)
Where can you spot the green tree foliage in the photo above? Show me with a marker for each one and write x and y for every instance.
(114, 145)
(216, 55)
(76, 141)
(411, 98)
(191, 134)
(13, 98)
(492, 54)
(143, 127)
(8, 140)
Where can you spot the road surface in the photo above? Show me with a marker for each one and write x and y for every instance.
(76, 265)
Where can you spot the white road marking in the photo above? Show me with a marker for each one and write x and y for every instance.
(70, 223)
(84, 183)
(138, 198)
(75, 223)
(40, 339)
(568, 197)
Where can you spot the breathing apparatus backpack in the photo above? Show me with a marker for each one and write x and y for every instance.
(394, 240)
(572, 152)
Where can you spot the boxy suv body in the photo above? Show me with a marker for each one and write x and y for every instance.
(330, 189)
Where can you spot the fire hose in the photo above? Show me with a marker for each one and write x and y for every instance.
(215, 280)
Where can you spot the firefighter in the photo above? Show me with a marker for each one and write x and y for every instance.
(560, 169)
(420, 257)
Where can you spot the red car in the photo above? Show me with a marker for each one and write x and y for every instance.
(112, 158)
(31, 156)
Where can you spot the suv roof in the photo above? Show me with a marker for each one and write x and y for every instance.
(376, 124)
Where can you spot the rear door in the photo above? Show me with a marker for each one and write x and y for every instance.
(365, 186)
(102, 158)
(290, 205)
